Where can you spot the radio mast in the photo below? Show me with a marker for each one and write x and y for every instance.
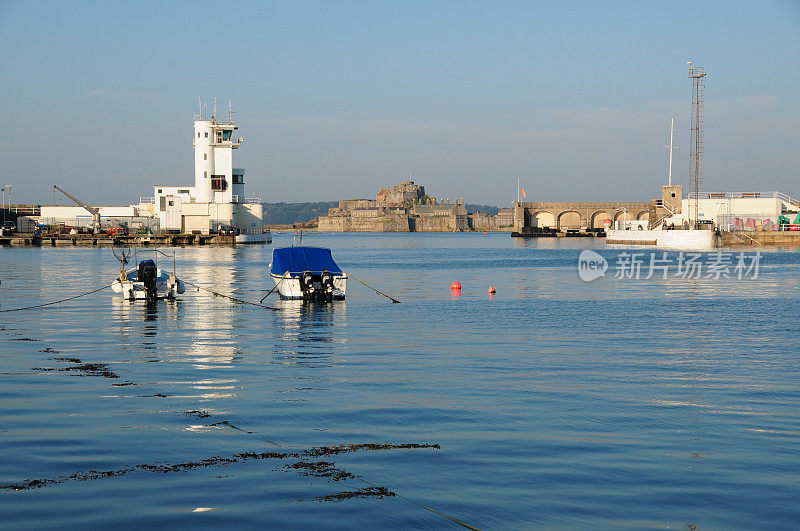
(696, 75)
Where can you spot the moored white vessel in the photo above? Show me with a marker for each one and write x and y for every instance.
(262, 236)
(685, 240)
(147, 281)
(307, 273)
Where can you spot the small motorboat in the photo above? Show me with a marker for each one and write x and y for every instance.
(147, 281)
(307, 273)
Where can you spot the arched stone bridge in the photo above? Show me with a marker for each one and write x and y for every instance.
(575, 215)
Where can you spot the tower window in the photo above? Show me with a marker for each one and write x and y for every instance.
(672, 194)
(198, 134)
(238, 179)
(206, 134)
(219, 183)
(205, 157)
(205, 175)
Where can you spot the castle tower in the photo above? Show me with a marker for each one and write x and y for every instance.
(215, 178)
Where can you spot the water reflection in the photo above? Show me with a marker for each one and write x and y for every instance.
(308, 336)
(138, 321)
(213, 344)
(310, 321)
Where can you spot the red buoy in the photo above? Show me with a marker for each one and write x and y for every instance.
(491, 289)
(455, 285)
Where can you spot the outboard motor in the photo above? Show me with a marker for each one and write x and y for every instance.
(307, 284)
(148, 275)
(327, 283)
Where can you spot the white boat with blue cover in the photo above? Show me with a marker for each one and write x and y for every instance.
(307, 273)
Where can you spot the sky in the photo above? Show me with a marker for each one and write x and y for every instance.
(335, 99)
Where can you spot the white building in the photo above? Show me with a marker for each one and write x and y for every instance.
(218, 196)
(134, 217)
(735, 211)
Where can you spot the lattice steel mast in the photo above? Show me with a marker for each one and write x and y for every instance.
(696, 75)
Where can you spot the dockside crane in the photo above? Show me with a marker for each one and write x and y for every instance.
(93, 211)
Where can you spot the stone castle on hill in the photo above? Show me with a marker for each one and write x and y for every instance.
(407, 208)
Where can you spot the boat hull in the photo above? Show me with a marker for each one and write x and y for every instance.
(264, 237)
(684, 240)
(290, 288)
(130, 288)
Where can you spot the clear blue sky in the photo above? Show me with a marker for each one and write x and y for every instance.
(336, 99)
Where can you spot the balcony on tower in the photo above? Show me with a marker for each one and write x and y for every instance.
(223, 135)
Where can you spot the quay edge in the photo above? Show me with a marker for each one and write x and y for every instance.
(91, 240)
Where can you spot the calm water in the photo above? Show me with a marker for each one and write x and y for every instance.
(557, 403)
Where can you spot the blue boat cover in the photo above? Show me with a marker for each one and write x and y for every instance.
(296, 260)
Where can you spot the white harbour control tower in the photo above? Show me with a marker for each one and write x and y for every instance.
(215, 179)
(217, 197)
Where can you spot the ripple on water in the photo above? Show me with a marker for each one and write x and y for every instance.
(557, 403)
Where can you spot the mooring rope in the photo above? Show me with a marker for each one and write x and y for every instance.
(373, 289)
(229, 297)
(456, 520)
(273, 289)
(55, 302)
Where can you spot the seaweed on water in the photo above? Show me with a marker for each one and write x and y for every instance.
(92, 369)
(49, 350)
(343, 448)
(366, 492)
(197, 413)
(155, 468)
(320, 468)
(84, 369)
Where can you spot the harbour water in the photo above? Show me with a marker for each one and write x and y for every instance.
(557, 403)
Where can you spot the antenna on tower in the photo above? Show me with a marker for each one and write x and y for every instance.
(696, 75)
(215, 108)
(200, 105)
(670, 147)
(230, 112)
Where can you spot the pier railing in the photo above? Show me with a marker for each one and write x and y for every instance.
(752, 195)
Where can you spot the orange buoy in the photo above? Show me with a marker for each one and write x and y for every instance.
(491, 289)
(455, 285)
(484, 234)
